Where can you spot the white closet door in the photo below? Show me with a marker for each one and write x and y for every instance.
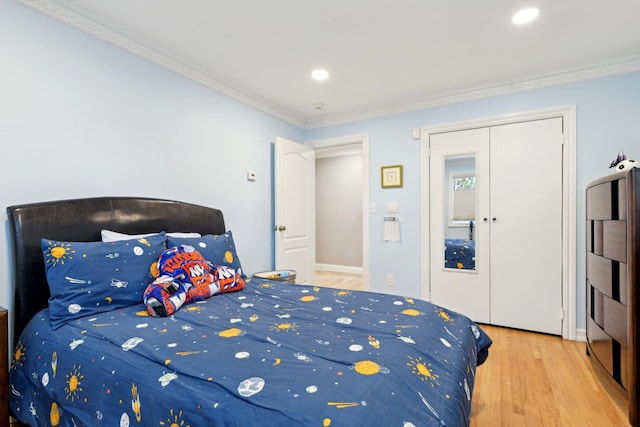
(463, 291)
(526, 225)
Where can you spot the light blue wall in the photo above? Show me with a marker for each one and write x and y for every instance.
(70, 105)
(608, 120)
(81, 118)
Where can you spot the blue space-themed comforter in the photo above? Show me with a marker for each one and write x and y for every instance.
(460, 254)
(274, 354)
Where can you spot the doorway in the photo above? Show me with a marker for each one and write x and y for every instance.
(342, 200)
(288, 204)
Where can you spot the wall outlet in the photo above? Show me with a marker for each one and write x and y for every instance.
(389, 279)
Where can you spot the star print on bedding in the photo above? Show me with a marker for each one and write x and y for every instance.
(217, 249)
(273, 355)
(91, 277)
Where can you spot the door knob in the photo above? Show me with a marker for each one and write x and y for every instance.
(484, 219)
(494, 219)
(279, 227)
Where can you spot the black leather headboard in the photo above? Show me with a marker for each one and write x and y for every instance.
(81, 220)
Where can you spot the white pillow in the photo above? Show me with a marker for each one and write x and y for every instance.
(114, 236)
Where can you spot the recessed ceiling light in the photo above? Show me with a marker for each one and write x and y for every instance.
(525, 15)
(320, 74)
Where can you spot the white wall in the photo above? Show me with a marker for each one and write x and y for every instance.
(608, 120)
(339, 210)
(80, 118)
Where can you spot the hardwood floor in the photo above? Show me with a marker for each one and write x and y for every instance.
(330, 279)
(534, 379)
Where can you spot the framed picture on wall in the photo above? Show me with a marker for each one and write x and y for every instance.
(391, 176)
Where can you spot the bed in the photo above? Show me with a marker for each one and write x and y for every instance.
(271, 354)
(460, 254)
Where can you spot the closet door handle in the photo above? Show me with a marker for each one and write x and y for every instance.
(485, 219)
(494, 219)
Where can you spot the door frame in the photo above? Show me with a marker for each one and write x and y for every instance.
(569, 259)
(339, 144)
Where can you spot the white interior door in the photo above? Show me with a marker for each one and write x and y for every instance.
(463, 290)
(526, 234)
(295, 245)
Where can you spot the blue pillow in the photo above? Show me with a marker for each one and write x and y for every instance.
(89, 278)
(217, 249)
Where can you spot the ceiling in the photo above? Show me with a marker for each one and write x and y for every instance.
(383, 56)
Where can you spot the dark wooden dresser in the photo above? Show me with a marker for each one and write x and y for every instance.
(613, 246)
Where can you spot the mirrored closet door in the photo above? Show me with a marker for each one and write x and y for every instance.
(459, 245)
(496, 223)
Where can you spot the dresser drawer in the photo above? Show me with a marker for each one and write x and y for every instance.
(615, 320)
(601, 345)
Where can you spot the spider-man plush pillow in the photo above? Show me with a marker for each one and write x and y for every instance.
(183, 276)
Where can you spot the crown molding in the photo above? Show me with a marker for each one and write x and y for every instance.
(622, 65)
(96, 29)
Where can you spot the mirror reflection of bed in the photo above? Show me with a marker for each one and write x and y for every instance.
(459, 238)
(460, 254)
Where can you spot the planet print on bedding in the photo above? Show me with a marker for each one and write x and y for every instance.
(270, 346)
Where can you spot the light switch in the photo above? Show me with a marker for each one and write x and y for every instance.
(372, 208)
(392, 207)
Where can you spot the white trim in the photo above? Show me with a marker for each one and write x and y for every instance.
(339, 268)
(568, 113)
(348, 143)
(425, 210)
(92, 26)
(324, 150)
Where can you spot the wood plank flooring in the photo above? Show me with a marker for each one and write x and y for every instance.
(534, 379)
(330, 279)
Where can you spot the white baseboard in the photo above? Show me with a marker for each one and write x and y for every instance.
(581, 335)
(339, 268)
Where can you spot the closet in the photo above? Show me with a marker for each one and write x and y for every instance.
(515, 278)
